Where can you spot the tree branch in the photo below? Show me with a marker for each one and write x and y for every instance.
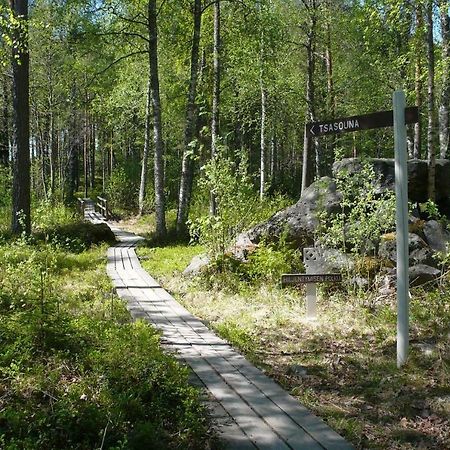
(140, 52)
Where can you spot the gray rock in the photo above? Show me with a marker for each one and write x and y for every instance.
(426, 348)
(337, 261)
(417, 176)
(421, 274)
(242, 247)
(386, 283)
(359, 281)
(419, 251)
(437, 237)
(297, 370)
(301, 220)
(443, 180)
(197, 265)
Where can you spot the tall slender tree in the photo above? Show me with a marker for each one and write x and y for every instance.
(216, 95)
(187, 165)
(431, 112)
(263, 93)
(444, 6)
(4, 125)
(418, 84)
(311, 30)
(144, 165)
(160, 206)
(21, 193)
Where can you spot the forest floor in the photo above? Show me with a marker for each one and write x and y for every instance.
(75, 371)
(342, 366)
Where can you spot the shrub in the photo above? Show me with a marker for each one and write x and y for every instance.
(238, 207)
(122, 191)
(366, 214)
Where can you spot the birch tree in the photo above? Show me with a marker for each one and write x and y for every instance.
(187, 165)
(444, 6)
(160, 208)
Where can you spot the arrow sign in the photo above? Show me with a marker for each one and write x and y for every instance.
(379, 119)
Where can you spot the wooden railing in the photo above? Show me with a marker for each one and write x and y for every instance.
(81, 205)
(102, 205)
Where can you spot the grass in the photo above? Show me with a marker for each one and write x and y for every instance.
(75, 372)
(343, 365)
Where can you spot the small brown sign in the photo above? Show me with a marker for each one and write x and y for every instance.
(299, 278)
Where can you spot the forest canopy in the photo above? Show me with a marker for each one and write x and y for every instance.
(133, 98)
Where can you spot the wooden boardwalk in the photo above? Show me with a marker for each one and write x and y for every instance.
(251, 411)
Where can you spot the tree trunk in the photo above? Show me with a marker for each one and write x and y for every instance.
(329, 66)
(216, 96)
(93, 147)
(144, 167)
(21, 195)
(161, 230)
(262, 137)
(86, 156)
(307, 170)
(4, 130)
(51, 152)
(418, 85)
(445, 96)
(431, 121)
(187, 165)
(418, 124)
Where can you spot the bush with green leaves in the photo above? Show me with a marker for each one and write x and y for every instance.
(269, 261)
(238, 207)
(365, 213)
(75, 373)
(5, 186)
(122, 190)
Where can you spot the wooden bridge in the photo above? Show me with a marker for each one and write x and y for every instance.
(251, 411)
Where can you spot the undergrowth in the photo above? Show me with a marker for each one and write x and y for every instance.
(343, 365)
(75, 373)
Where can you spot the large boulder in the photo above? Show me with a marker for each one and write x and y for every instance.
(419, 251)
(437, 237)
(417, 176)
(421, 274)
(301, 220)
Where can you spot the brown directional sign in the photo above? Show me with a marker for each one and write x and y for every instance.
(299, 278)
(364, 122)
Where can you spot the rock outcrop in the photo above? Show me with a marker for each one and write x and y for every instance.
(301, 221)
(417, 177)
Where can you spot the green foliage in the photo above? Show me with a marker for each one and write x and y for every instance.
(74, 372)
(165, 261)
(432, 211)
(122, 190)
(238, 207)
(366, 214)
(268, 262)
(5, 186)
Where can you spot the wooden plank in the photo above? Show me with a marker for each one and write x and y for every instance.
(256, 429)
(315, 426)
(269, 411)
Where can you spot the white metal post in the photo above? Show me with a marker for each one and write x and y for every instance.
(311, 300)
(401, 193)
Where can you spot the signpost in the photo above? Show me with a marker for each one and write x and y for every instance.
(315, 265)
(399, 117)
(293, 279)
(379, 119)
(401, 198)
